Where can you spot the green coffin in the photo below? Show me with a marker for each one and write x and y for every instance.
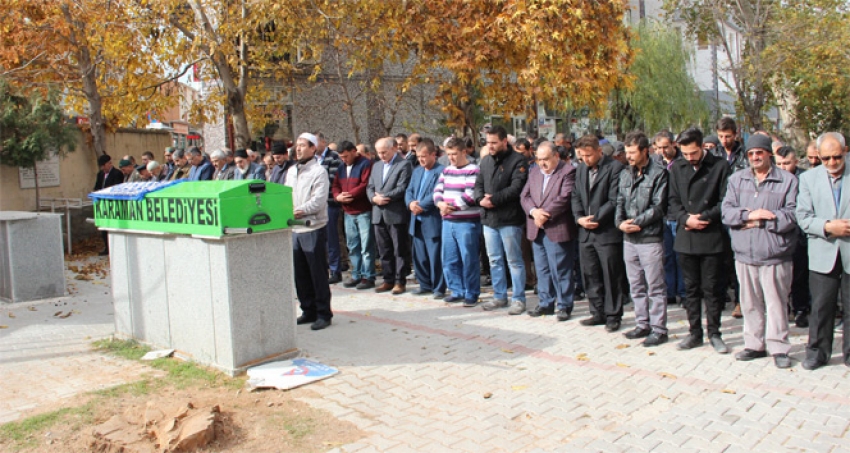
(203, 208)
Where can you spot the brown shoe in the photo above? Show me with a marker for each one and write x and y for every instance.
(386, 286)
(398, 288)
(736, 313)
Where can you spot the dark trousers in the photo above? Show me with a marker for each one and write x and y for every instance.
(728, 274)
(309, 258)
(604, 279)
(822, 318)
(394, 251)
(672, 273)
(801, 298)
(700, 273)
(334, 251)
(427, 261)
(528, 259)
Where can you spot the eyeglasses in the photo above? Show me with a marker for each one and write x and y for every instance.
(838, 158)
(756, 152)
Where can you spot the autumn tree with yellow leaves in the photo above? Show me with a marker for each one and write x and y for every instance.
(96, 52)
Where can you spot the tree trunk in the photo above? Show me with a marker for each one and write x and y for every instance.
(89, 75)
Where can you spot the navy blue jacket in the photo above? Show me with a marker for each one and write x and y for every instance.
(432, 222)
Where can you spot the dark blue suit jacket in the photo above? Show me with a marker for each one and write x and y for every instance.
(432, 222)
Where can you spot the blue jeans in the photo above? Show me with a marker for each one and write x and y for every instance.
(672, 272)
(504, 244)
(461, 268)
(361, 245)
(554, 263)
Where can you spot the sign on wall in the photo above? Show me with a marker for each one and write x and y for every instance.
(48, 174)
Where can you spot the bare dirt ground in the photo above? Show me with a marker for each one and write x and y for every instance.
(266, 421)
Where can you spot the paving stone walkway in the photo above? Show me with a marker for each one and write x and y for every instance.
(424, 376)
(418, 375)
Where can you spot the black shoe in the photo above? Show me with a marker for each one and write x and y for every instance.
(579, 295)
(671, 301)
(638, 332)
(540, 311)
(421, 292)
(320, 324)
(750, 354)
(104, 253)
(655, 339)
(562, 315)
(452, 299)
(351, 283)
(812, 364)
(592, 321)
(690, 342)
(718, 344)
(488, 281)
(612, 326)
(439, 296)
(365, 284)
(470, 303)
(336, 277)
(802, 320)
(304, 319)
(782, 361)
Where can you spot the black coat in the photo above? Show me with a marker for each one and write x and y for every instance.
(503, 177)
(114, 177)
(600, 201)
(699, 192)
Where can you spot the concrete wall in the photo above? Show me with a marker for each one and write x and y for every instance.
(78, 169)
(77, 174)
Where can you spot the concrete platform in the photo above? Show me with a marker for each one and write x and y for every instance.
(31, 256)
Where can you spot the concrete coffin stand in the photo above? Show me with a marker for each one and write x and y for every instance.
(32, 262)
(224, 302)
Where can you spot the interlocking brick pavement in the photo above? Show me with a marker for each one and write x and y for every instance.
(45, 358)
(419, 375)
(446, 378)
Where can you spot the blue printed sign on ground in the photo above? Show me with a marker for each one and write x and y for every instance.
(288, 374)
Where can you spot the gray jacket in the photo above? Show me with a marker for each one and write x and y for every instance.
(644, 199)
(774, 241)
(815, 207)
(393, 187)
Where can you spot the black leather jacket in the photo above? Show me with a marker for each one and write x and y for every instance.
(739, 157)
(644, 199)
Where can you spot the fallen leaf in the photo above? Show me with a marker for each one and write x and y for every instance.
(11, 315)
(4, 327)
(487, 395)
(83, 277)
(508, 351)
(729, 391)
(57, 313)
(66, 315)
(650, 353)
(623, 365)
(517, 388)
(32, 309)
(582, 357)
(333, 444)
(622, 346)
(668, 375)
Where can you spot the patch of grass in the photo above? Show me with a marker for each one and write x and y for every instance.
(297, 427)
(142, 387)
(181, 374)
(128, 349)
(25, 433)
